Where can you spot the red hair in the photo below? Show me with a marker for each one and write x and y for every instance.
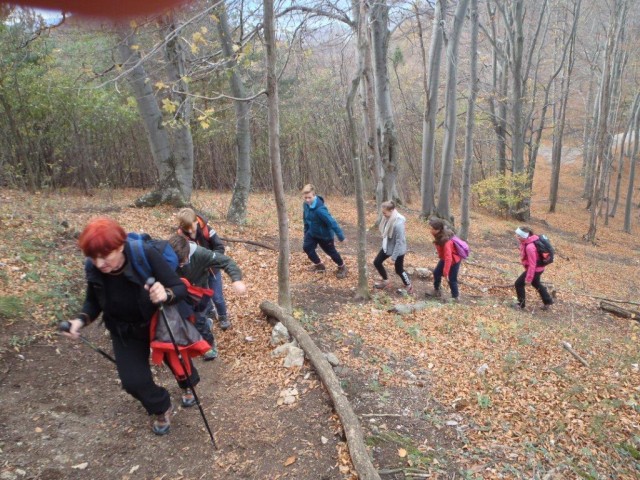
(100, 237)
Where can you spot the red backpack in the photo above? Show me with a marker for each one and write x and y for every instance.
(189, 341)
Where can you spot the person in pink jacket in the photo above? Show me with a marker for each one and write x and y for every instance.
(532, 271)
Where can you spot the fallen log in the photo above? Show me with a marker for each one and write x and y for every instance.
(619, 311)
(250, 242)
(355, 441)
(607, 299)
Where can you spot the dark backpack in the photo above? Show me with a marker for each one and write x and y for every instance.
(137, 242)
(545, 251)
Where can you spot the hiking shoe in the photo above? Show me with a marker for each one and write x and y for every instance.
(409, 289)
(382, 285)
(212, 354)
(225, 323)
(517, 306)
(188, 398)
(341, 272)
(318, 267)
(162, 422)
(435, 293)
(545, 307)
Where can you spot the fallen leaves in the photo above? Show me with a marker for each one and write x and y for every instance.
(290, 461)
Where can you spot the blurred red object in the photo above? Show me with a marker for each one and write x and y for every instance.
(105, 8)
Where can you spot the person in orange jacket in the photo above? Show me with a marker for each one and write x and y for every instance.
(449, 263)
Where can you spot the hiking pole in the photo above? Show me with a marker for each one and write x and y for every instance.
(150, 281)
(66, 326)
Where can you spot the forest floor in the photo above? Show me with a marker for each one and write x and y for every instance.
(468, 390)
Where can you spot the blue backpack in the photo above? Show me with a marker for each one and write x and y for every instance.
(137, 241)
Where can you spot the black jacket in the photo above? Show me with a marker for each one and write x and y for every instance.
(96, 295)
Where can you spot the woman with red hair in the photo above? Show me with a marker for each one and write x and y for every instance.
(127, 305)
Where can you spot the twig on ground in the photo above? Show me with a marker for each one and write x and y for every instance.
(576, 355)
(250, 242)
(380, 415)
(614, 300)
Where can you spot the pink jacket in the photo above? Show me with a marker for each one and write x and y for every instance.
(529, 258)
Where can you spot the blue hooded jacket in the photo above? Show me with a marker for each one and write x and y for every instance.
(319, 223)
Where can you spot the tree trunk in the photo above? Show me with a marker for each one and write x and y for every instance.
(237, 212)
(560, 116)
(632, 173)
(618, 15)
(273, 119)
(468, 142)
(362, 291)
(168, 189)
(624, 151)
(385, 121)
(369, 108)
(450, 124)
(176, 73)
(430, 111)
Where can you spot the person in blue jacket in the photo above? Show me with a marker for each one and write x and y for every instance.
(319, 229)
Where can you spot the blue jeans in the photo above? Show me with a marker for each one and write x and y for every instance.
(215, 284)
(328, 246)
(453, 277)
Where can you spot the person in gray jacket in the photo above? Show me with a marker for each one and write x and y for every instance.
(394, 245)
(195, 265)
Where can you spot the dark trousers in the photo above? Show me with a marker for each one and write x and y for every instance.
(398, 264)
(328, 246)
(453, 277)
(215, 284)
(132, 362)
(201, 310)
(535, 283)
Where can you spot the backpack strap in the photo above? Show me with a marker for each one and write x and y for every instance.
(138, 257)
(204, 227)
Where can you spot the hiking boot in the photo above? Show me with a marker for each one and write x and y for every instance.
(383, 285)
(409, 289)
(517, 306)
(318, 267)
(546, 307)
(188, 398)
(162, 422)
(434, 292)
(225, 323)
(212, 354)
(341, 272)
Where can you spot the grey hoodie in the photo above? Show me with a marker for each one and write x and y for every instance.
(397, 244)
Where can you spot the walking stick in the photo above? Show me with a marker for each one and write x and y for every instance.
(66, 326)
(151, 281)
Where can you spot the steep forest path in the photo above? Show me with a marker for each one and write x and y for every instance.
(474, 388)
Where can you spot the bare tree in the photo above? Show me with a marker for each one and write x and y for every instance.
(560, 112)
(362, 291)
(450, 123)
(237, 212)
(431, 87)
(632, 172)
(471, 104)
(284, 289)
(624, 144)
(379, 24)
(616, 27)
